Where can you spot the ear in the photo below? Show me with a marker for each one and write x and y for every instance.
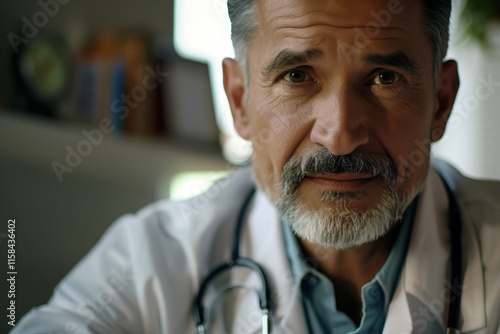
(234, 86)
(447, 88)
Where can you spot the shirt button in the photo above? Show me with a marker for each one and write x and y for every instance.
(313, 280)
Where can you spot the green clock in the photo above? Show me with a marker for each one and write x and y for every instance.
(44, 67)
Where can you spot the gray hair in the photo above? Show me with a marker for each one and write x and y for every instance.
(243, 23)
(437, 28)
(436, 24)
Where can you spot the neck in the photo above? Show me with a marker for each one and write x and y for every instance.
(350, 269)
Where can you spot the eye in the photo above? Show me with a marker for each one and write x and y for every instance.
(386, 78)
(296, 76)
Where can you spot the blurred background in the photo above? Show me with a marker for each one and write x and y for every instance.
(106, 106)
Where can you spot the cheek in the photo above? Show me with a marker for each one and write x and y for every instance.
(275, 134)
(408, 136)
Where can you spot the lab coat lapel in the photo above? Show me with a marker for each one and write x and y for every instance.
(473, 307)
(427, 268)
(293, 320)
(428, 260)
(263, 242)
(398, 317)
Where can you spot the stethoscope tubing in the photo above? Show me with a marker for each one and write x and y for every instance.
(455, 228)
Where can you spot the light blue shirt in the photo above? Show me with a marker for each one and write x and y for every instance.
(318, 292)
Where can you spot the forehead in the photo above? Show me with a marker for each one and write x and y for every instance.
(360, 25)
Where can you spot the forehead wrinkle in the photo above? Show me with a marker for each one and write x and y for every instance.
(295, 18)
(332, 26)
(319, 32)
(277, 15)
(304, 31)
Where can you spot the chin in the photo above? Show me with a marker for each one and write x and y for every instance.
(339, 223)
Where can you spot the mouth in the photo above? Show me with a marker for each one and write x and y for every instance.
(343, 182)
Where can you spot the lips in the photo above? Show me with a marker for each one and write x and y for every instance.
(343, 181)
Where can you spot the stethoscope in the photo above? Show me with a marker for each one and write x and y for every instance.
(264, 295)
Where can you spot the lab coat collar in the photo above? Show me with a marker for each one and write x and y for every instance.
(427, 269)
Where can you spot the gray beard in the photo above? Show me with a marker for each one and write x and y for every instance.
(334, 224)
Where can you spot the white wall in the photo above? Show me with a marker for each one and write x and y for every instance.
(472, 138)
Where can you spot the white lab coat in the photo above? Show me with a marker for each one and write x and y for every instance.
(144, 273)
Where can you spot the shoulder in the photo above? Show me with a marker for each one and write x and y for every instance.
(169, 236)
(144, 262)
(183, 233)
(479, 196)
(190, 217)
(479, 202)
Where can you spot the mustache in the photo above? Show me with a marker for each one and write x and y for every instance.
(325, 162)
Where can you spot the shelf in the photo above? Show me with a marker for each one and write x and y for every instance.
(41, 142)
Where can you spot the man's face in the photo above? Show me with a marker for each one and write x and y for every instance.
(349, 77)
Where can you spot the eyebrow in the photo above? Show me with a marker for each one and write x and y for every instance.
(397, 59)
(289, 58)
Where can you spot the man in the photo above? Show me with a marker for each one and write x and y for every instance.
(341, 100)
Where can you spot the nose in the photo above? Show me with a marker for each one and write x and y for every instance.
(340, 121)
